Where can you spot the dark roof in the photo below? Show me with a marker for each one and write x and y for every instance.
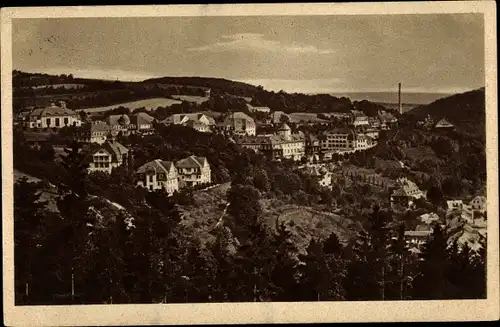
(114, 148)
(157, 166)
(191, 162)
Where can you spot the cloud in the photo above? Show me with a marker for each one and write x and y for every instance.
(257, 42)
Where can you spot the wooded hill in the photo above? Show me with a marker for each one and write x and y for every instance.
(466, 110)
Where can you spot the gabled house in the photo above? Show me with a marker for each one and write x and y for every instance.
(193, 171)
(197, 121)
(406, 193)
(158, 174)
(419, 236)
(443, 124)
(107, 156)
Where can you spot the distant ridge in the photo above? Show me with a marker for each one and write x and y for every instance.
(409, 98)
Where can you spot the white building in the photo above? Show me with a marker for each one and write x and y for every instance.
(53, 117)
(193, 171)
(109, 155)
(94, 132)
(158, 175)
(359, 118)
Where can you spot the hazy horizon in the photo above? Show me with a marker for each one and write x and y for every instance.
(441, 53)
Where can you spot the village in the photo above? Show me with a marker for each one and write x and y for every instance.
(321, 155)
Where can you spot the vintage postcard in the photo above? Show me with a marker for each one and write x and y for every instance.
(270, 163)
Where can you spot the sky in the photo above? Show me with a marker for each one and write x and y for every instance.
(442, 53)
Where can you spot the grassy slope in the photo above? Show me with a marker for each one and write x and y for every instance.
(149, 104)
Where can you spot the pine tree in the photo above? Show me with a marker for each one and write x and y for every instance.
(431, 281)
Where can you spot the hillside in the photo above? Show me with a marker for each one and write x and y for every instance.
(465, 110)
(217, 85)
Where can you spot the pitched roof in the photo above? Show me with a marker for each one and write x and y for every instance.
(191, 162)
(156, 166)
(97, 126)
(52, 110)
(141, 118)
(443, 123)
(114, 148)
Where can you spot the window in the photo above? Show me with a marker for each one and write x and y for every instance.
(57, 122)
(66, 121)
(47, 121)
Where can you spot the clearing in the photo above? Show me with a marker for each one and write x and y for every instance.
(420, 153)
(298, 117)
(149, 104)
(190, 98)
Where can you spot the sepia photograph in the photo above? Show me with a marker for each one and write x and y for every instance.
(229, 157)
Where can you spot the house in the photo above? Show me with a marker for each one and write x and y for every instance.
(358, 118)
(258, 109)
(443, 124)
(405, 194)
(312, 145)
(454, 205)
(321, 174)
(158, 175)
(387, 119)
(197, 121)
(94, 132)
(141, 123)
(107, 156)
(278, 117)
(419, 236)
(53, 117)
(478, 204)
(239, 123)
(282, 144)
(193, 171)
(184, 118)
(428, 218)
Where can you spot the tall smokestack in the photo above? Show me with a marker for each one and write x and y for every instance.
(400, 106)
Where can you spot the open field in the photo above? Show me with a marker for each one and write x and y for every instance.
(190, 98)
(66, 86)
(297, 117)
(149, 104)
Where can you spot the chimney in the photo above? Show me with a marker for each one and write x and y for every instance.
(400, 106)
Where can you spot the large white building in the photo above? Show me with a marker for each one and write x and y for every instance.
(158, 174)
(53, 117)
(94, 132)
(344, 140)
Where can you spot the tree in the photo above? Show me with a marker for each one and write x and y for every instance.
(75, 165)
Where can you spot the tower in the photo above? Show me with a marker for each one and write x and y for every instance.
(400, 106)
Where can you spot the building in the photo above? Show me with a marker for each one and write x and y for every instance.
(478, 204)
(344, 140)
(94, 132)
(312, 146)
(239, 123)
(197, 121)
(321, 174)
(428, 218)
(109, 155)
(184, 118)
(387, 119)
(282, 144)
(454, 205)
(419, 236)
(158, 175)
(443, 124)
(53, 117)
(140, 123)
(258, 109)
(358, 118)
(193, 171)
(278, 117)
(406, 193)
